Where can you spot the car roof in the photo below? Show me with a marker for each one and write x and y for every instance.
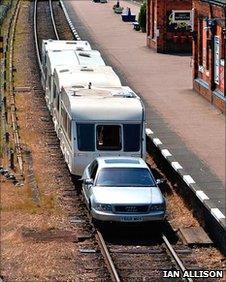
(127, 162)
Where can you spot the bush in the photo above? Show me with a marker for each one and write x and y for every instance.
(142, 16)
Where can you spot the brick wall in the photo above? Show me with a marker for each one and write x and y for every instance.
(208, 53)
(162, 34)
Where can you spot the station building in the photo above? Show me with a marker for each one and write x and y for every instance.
(209, 70)
(163, 34)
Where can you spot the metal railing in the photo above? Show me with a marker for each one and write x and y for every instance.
(4, 8)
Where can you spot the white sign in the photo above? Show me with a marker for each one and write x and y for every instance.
(183, 16)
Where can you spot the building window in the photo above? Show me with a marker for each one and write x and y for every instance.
(109, 137)
(200, 42)
(154, 21)
(208, 42)
(222, 46)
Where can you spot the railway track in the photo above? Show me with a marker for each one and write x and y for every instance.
(39, 33)
(146, 261)
(128, 262)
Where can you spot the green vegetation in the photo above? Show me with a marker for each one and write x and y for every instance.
(142, 16)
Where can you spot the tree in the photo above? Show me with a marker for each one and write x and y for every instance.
(142, 16)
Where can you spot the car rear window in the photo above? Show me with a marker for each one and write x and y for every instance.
(127, 177)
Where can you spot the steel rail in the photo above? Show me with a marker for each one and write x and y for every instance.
(107, 256)
(36, 39)
(175, 257)
(53, 21)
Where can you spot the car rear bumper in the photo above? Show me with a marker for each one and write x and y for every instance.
(125, 217)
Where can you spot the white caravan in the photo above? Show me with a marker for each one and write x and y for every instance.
(80, 77)
(100, 122)
(50, 44)
(67, 58)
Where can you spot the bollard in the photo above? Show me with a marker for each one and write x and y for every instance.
(1, 46)
(7, 137)
(11, 159)
(4, 102)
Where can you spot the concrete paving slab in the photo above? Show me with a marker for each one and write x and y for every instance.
(194, 235)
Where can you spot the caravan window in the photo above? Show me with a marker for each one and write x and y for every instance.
(85, 135)
(69, 128)
(58, 101)
(64, 118)
(49, 82)
(109, 137)
(66, 122)
(131, 133)
(54, 90)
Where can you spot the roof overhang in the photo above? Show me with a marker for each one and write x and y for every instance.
(221, 3)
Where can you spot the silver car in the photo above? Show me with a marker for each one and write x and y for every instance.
(122, 189)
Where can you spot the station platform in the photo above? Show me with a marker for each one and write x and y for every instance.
(191, 130)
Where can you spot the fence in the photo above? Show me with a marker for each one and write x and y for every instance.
(3, 10)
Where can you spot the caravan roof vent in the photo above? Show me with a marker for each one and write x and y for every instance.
(64, 70)
(86, 69)
(77, 86)
(123, 93)
(79, 48)
(84, 54)
(73, 92)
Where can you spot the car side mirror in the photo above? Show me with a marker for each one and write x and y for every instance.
(88, 181)
(160, 181)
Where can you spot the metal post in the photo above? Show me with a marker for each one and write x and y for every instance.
(7, 137)
(11, 158)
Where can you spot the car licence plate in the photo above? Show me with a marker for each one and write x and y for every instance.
(131, 218)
